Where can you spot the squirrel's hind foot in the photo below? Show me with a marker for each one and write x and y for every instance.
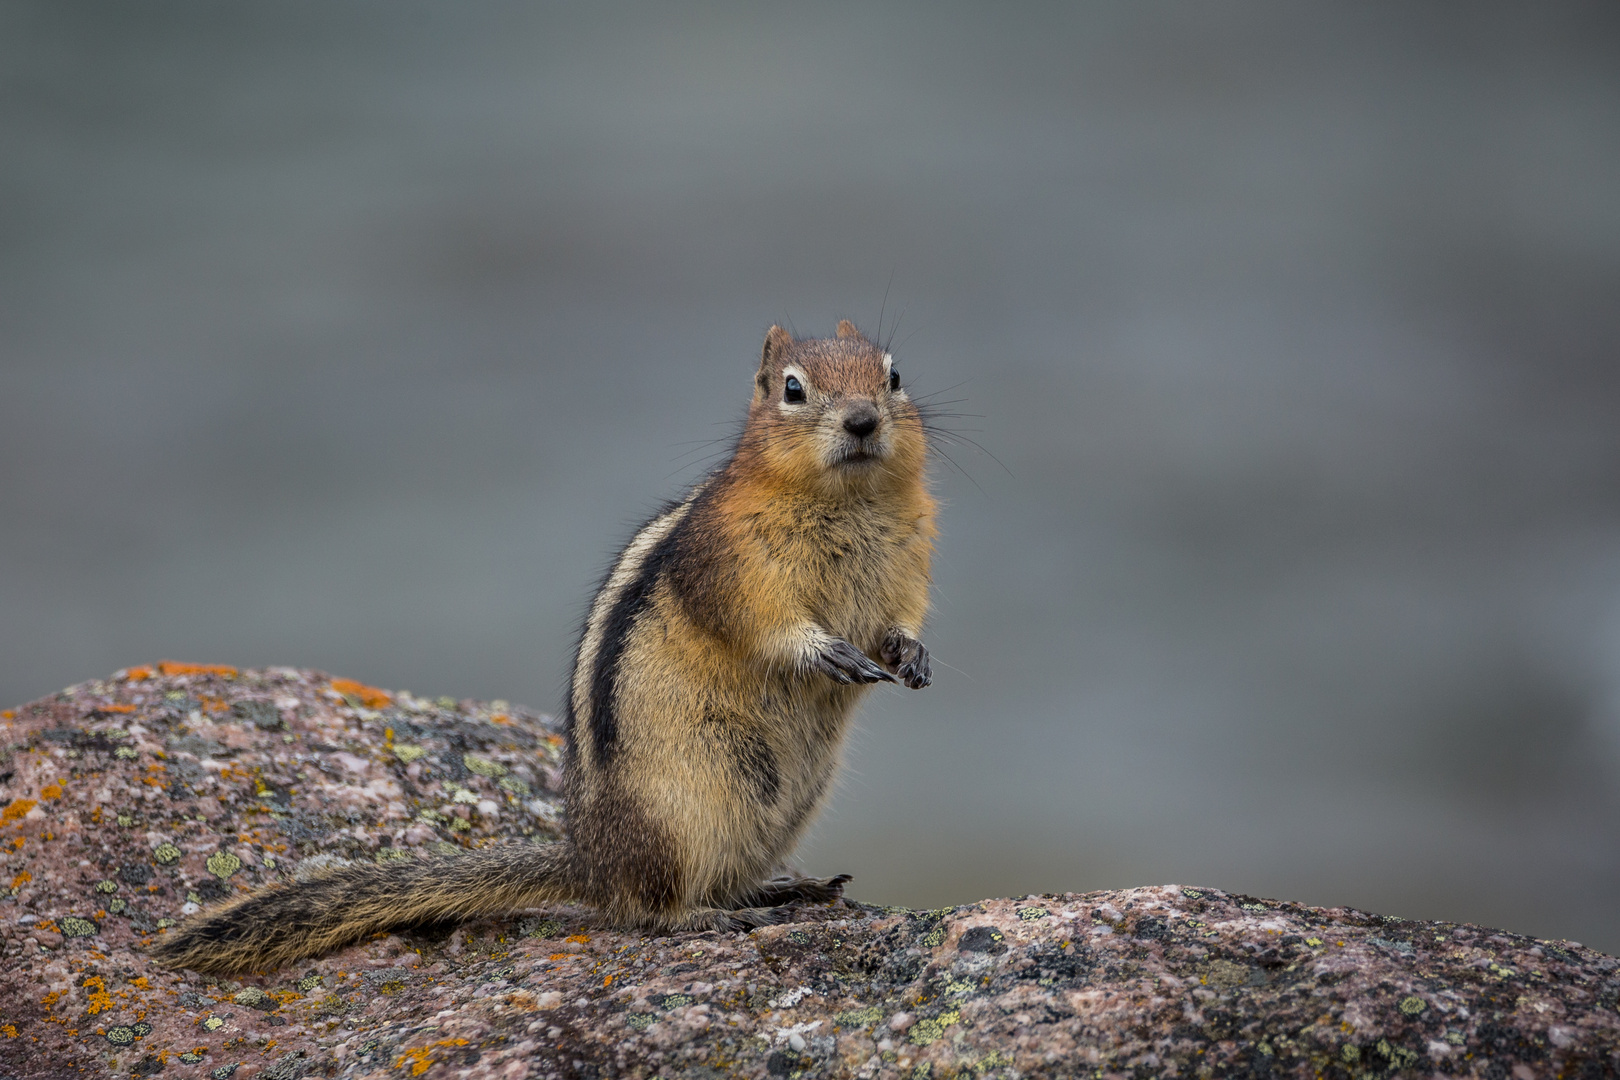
(802, 890)
(751, 918)
(722, 919)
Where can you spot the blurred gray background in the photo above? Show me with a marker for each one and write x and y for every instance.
(358, 336)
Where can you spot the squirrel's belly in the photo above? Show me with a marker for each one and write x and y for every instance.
(733, 778)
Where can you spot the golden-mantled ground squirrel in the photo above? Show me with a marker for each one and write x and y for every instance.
(712, 688)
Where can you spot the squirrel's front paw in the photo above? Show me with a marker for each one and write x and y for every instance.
(844, 663)
(908, 658)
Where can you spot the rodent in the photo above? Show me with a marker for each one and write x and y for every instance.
(712, 690)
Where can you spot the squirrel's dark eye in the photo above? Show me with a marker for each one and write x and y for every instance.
(792, 391)
(894, 379)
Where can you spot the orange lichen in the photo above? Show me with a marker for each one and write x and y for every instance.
(176, 667)
(51, 791)
(17, 809)
(420, 1059)
(8, 715)
(140, 983)
(114, 708)
(578, 939)
(99, 998)
(500, 718)
(369, 696)
(21, 879)
(139, 673)
(8, 1030)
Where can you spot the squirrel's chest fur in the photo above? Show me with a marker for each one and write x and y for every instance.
(844, 564)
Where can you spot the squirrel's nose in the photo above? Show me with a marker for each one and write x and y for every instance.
(861, 421)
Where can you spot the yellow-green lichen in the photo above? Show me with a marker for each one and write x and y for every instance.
(166, 854)
(483, 766)
(408, 753)
(222, 864)
(995, 1059)
(108, 886)
(857, 1018)
(1411, 1006)
(546, 928)
(924, 1032)
(252, 997)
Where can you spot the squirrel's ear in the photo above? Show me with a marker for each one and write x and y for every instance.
(846, 329)
(776, 342)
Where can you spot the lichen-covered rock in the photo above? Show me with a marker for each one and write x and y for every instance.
(127, 804)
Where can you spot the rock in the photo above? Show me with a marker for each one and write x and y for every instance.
(127, 801)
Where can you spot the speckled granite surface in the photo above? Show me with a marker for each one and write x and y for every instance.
(125, 803)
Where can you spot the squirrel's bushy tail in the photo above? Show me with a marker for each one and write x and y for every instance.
(278, 925)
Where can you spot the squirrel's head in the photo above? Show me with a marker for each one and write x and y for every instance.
(832, 413)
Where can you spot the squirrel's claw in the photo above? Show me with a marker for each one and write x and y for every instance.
(844, 663)
(908, 658)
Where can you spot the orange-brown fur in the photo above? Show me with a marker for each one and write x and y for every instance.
(712, 691)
